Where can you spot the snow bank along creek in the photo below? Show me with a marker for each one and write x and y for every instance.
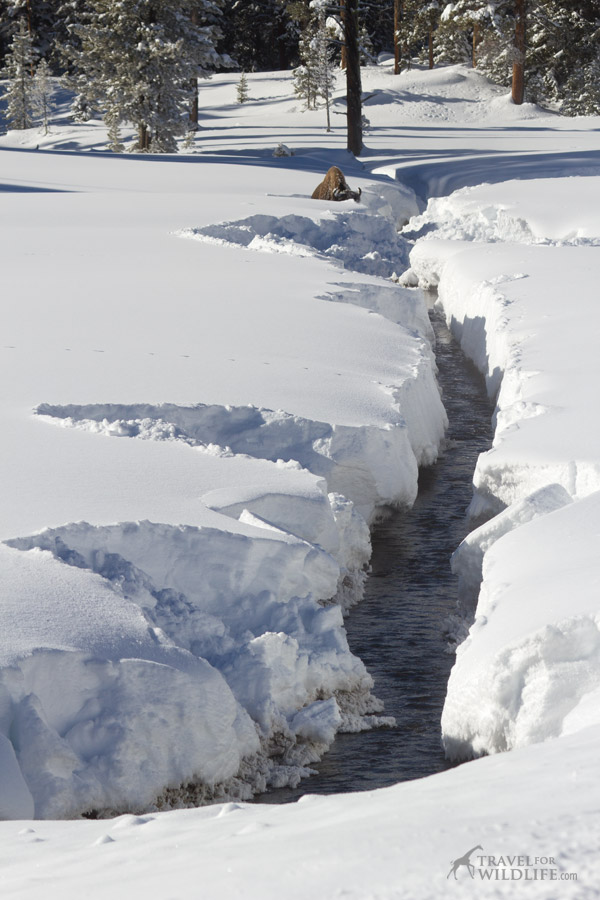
(406, 626)
(215, 652)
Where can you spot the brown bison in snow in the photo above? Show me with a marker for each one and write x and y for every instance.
(334, 187)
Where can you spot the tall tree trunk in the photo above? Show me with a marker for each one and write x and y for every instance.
(283, 61)
(143, 138)
(353, 84)
(30, 30)
(476, 41)
(431, 48)
(193, 114)
(518, 76)
(343, 61)
(397, 20)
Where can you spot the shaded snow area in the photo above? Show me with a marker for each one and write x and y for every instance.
(211, 386)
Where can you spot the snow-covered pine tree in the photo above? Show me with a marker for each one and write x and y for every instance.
(325, 68)
(367, 52)
(563, 55)
(242, 89)
(487, 27)
(41, 18)
(42, 94)
(315, 78)
(18, 71)
(459, 32)
(417, 27)
(72, 16)
(305, 77)
(263, 34)
(137, 60)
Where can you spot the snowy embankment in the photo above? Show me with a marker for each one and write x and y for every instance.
(197, 439)
(516, 266)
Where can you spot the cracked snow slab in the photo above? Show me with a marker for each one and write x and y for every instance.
(362, 237)
(370, 466)
(354, 240)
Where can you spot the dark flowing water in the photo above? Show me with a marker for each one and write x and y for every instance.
(400, 628)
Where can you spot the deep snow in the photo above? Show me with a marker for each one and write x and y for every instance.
(202, 431)
(166, 336)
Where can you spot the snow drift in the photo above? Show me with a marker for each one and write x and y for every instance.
(529, 669)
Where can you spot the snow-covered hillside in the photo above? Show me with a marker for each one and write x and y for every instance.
(195, 438)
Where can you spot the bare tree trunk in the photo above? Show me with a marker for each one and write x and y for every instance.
(193, 117)
(29, 29)
(193, 114)
(431, 48)
(143, 138)
(343, 61)
(283, 62)
(476, 42)
(397, 21)
(518, 76)
(353, 83)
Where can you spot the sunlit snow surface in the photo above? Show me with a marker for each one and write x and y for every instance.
(193, 438)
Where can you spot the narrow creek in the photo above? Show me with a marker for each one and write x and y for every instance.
(400, 628)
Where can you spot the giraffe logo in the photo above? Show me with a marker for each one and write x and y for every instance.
(464, 860)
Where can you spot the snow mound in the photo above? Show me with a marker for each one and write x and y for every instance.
(467, 560)
(354, 239)
(194, 651)
(530, 668)
(97, 702)
(537, 213)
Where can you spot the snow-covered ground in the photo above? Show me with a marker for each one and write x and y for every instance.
(183, 305)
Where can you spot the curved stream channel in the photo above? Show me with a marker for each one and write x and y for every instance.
(400, 628)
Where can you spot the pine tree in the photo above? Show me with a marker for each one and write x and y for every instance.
(242, 89)
(41, 18)
(42, 94)
(18, 71)
(324, 63)
(563, 55)
(459, 32)
(263, 34)
(305, 75)
(114, 133)
(315, 78)
(72, 16)
(137, 60)
(418, 25)
(367, 51)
